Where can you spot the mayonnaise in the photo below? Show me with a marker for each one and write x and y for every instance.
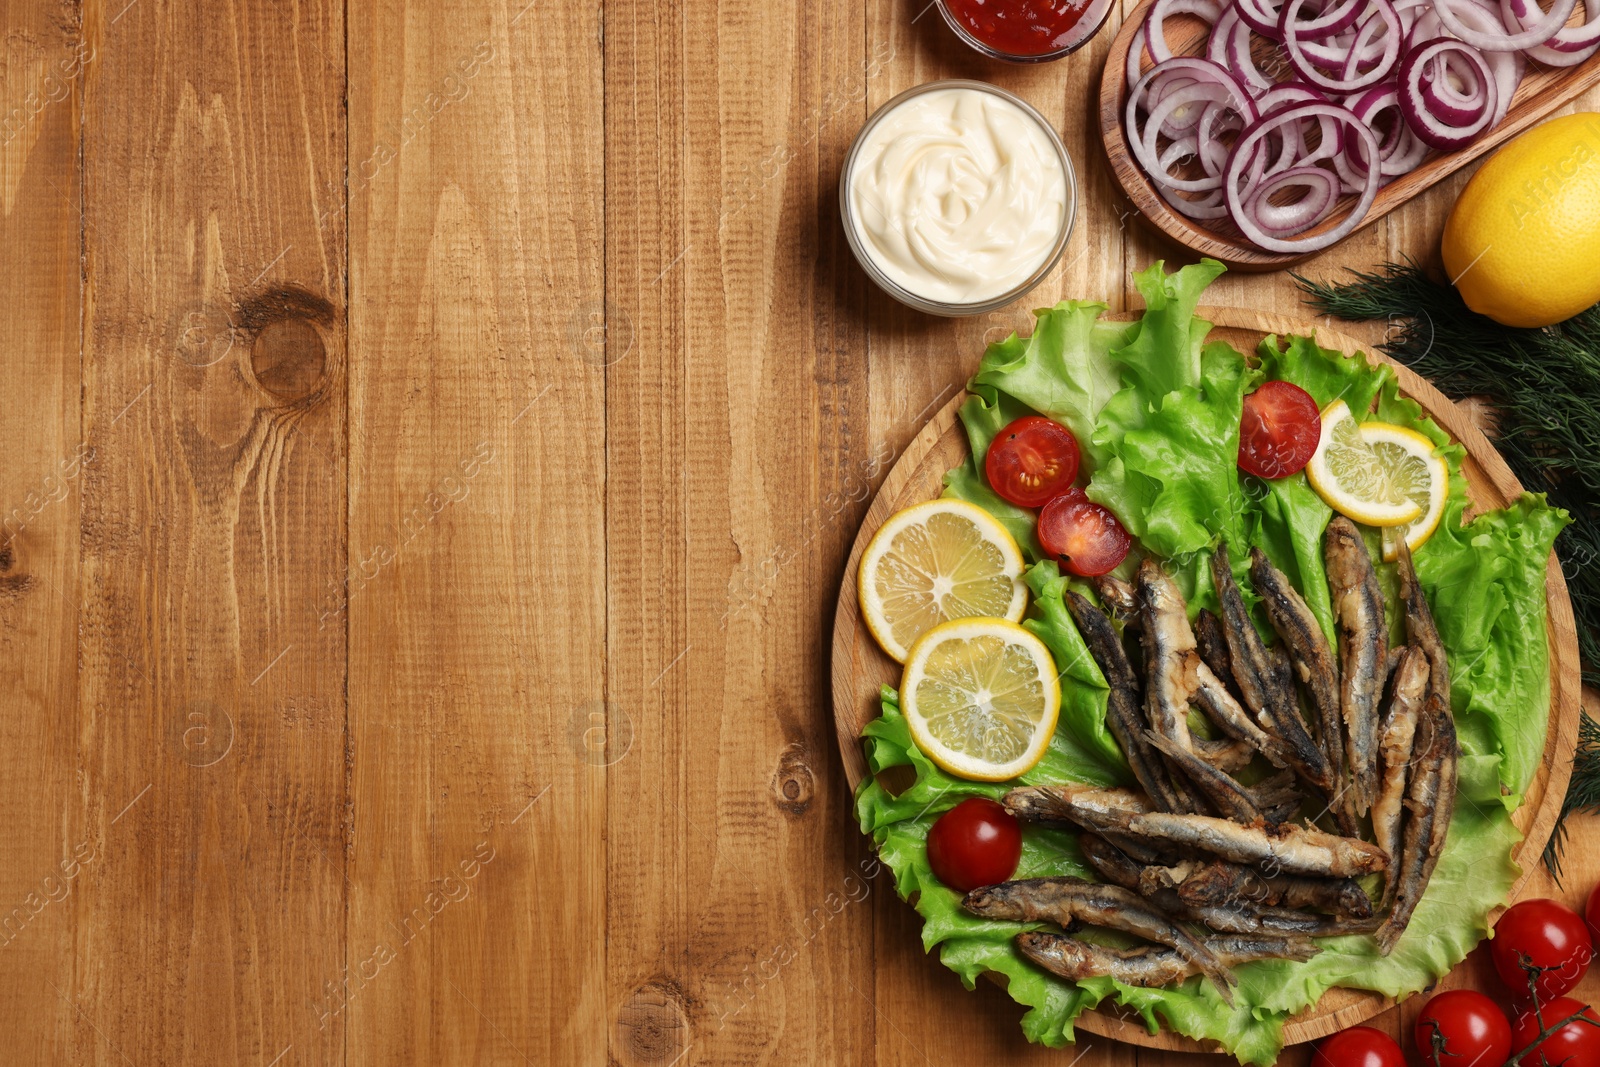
(958, 195)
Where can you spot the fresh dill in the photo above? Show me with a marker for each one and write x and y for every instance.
(1544, 386)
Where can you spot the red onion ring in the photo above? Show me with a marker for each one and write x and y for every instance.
(1570, 46)
(1202, 82)
(1289, 219)
(1347, 83)
(1541, 31)
(1245, 149)
(1442, 130)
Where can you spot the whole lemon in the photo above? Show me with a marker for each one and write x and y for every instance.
(1523, 243)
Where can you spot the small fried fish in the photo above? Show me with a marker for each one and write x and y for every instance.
(1148, 967)
(1394, 751)
(1288, 849)
(1313, 662)
(1065, 900)
(1430, 803)
(1123, 714)
(1363, 652)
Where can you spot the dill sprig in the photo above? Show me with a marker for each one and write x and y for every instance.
(1544, 386)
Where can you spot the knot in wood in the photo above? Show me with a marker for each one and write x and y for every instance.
(652, 1027)
(793, 784)
(289, 358)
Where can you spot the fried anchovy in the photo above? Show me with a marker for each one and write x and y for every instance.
(1430, 802)
(1072, 958)
(1118, 596)
(1394, 750)
(1420, 628)
(1064, 900)
(1289, 848)
(1363, 652)
(1220, 882)
(1213, 646)
(1178, 677)
(1313, 661)
(1264, 682)
(1123, 714)
(1239, 917)
(1226, 795)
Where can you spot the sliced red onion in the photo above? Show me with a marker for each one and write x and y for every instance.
(1230, 47)
(1155, 33)
(1400, 150)
(1245, 149)
(1443, 99)
(1286, 220)
(1428, 122)
(1349, 81)
(1337, 17)
(1570, 46)
(1204, 84)
(1260, 15)
(1543, 28)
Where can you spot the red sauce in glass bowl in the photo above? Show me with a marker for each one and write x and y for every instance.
(1025, 29)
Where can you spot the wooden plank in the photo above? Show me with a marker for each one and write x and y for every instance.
(43, 853)
(739, 462)
(212, 704)
(476, 613)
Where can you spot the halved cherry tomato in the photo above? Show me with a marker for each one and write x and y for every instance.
(1548, 935)
(1031, 461)
(1359, 1046)
(1278, 431)
(975, 843)
(1472, 1030)
(1084, 537)
(1576, 1044)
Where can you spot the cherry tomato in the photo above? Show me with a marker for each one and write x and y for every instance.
(1359, 1046)
(1032, 460)
(1574, 1045)
(1592, 914)
(1279, 430)
(1551, 936)
(1085, 538)
(975, 843)
(1474, 1030)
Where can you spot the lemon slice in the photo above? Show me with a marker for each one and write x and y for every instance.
(981, 697)
(1422, 477)
(1348, 474)
(942, 560)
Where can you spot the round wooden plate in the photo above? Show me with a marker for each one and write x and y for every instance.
(860, 667)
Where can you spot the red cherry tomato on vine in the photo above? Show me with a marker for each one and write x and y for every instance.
(1549, 935)
(975, 843)
(1574, 1045)
(1085, 538)
(1278, 430)
(1031, 461)
(1359, 1046)
(1473, 1029)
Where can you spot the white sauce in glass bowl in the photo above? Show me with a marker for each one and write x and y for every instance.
(958, 195)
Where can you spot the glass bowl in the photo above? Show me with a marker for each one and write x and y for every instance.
(934, 306)
(1090, 24)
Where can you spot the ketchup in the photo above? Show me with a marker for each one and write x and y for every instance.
(1020, 27)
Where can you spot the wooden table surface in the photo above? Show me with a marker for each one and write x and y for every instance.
(432, 439)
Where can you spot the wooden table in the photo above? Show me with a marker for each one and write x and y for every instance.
(432, 439)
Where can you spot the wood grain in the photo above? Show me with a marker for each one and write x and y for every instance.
(1542, 91)
(211, 708)
(45, 456)
(860, 667)
(477, 551)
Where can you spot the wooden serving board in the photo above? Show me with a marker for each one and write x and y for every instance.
(1541, 92)
(860, 667)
